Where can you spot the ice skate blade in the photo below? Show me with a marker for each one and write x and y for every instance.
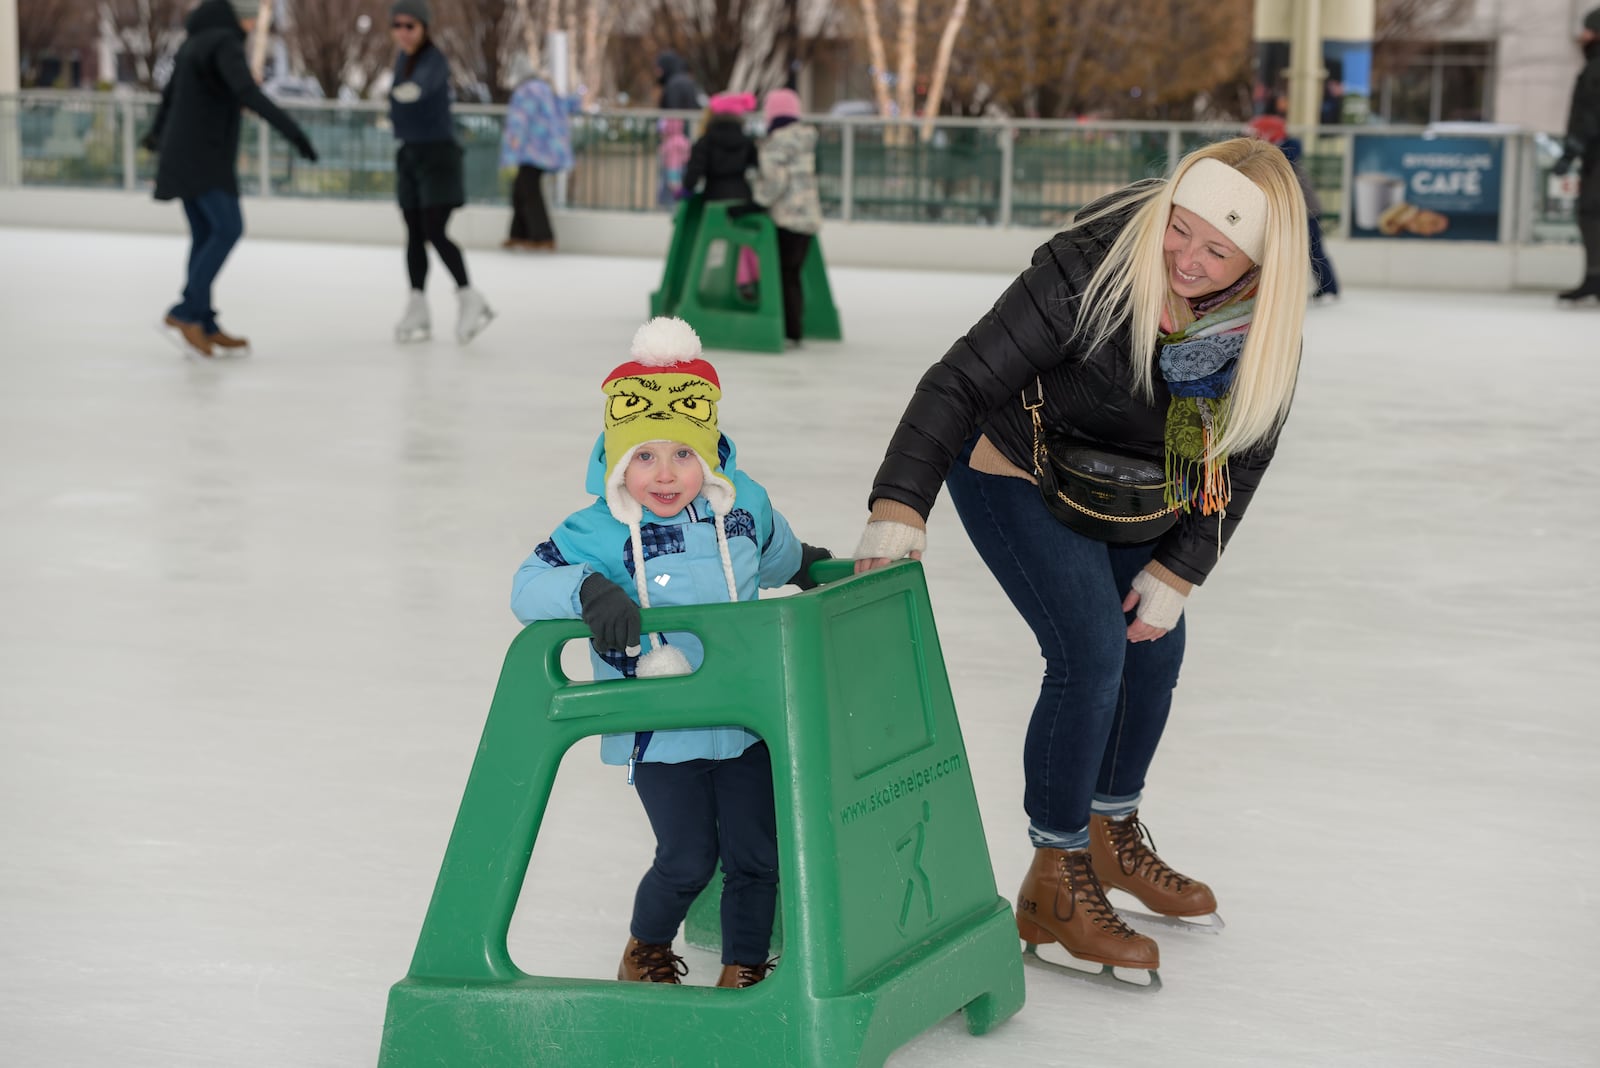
(411, 337)
(1209, 924)
(1107, 976)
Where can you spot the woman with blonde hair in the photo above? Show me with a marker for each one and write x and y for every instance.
(1102, 430)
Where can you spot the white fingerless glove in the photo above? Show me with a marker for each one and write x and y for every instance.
(888, 540)
(1159, 604)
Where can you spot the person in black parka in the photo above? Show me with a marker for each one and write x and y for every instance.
(1161, 331)
(1582, 146)
(196, 132)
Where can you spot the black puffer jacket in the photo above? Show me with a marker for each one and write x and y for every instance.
(721, 156)
(1089, 397)
(197, 126)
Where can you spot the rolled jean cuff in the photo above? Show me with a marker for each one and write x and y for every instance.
(1115, 808)
(1047, 839)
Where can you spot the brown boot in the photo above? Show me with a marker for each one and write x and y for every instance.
(1061, 901)
(1124, 862)
(738, 976)
(228, 345)
(191, 337)
(649, 962)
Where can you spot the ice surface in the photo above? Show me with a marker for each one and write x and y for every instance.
(254, 613)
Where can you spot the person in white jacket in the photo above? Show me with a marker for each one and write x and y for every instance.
(786, 185)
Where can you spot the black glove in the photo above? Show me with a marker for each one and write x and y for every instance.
(1564, 164)
(745, 207)
(306, 149)
(610, 613)
(809, 554)
(150, 142)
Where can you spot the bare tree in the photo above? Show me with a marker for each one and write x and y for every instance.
(1406, 28)
(1116, 58)
(46, 27)
(340, 42)
(741, 45)
(481, 37)
(148, 30)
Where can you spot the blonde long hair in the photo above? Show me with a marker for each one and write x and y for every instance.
(1130, 286)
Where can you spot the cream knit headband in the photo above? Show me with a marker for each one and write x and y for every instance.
(1228, 200)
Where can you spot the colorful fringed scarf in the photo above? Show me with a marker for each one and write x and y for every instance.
(1200, 347)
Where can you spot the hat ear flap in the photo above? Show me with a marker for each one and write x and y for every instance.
(717, 488)
(623, 507)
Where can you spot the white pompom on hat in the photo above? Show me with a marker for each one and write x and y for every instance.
(1229, 201)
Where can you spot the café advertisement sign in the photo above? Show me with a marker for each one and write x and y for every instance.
(1426, 188)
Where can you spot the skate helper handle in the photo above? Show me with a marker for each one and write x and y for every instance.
(823, 572)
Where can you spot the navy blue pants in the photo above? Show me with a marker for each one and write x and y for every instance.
(215, 226)
(703, 811)
(1104, 701)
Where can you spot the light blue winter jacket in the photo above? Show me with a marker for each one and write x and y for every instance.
(682, 566)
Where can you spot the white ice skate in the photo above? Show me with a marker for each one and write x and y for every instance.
(416, 324)
(475, 315)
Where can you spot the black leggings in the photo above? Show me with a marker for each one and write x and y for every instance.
(426, 227)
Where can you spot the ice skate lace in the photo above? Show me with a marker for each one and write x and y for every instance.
(1083, 888)
(751, 974)
(658, 964)
(1128, 838)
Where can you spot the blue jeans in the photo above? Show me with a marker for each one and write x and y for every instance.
(1104, 701)
(703, 810)
(215, 226)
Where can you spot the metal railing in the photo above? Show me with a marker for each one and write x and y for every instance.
(976, 172)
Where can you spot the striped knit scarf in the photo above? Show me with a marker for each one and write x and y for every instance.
(1200, 347)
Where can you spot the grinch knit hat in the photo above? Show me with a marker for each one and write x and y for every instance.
(665, 392)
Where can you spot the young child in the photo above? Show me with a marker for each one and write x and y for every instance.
(722, 157)
(786, 184)
(723, 152)
(671, 497)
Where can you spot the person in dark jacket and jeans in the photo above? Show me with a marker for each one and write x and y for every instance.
(1582, 146)
(1163, 329)
(429, 179)
(196, 132)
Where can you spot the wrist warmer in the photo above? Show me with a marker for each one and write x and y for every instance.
(1159, 604)
(889, 540)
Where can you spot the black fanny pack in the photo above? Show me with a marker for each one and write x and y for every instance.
(1101, 495)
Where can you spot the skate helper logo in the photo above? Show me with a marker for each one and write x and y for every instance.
(900, 789)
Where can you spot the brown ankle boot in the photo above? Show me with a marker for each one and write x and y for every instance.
(738, 976)
(649, 962)
(227, 344)
(1123, 861)
(1061, 901)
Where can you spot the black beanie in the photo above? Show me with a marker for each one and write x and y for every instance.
(417, 9)
(1591, 21)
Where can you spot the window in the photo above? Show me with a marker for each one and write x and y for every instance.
(1447, 81)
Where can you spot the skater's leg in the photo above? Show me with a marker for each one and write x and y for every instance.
(1062, 584)
(216, 224)
(747, 833)
(539, 231)
(434, 220)
(679, 802)
(519, 202)
(416, 249)
(792, 251)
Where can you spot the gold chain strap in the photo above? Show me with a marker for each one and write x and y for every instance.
(1041, 456)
